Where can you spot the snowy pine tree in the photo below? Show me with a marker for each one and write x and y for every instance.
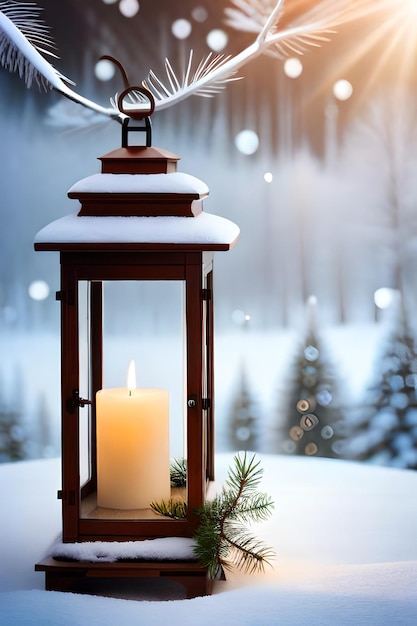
(242, 428)
(13, 436)
(44, 427)
(312, 419)
(386, 432)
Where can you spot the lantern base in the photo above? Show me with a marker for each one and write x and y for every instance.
(86, 577)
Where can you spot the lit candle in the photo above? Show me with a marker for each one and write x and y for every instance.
(132, 446)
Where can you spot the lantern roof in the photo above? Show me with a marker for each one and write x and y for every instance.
(139, 202)
(204, 232)
(139, 160)
(173, 193)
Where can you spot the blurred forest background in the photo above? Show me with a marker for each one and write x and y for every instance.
(316, 163)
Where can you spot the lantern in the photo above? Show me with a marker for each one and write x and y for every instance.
(136, 284)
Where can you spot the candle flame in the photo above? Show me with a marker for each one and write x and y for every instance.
(131, 377)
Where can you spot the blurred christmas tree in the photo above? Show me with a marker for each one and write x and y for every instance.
(44, 436)
(12, 437)
(242, 431)
(313, 419)
(386, 432)
(12, 434)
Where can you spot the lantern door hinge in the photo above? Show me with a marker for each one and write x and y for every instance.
(206, 294)
(206, 404)
(62, 495)
(75, 401)
(66, 296)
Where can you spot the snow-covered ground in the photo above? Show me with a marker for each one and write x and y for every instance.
(344, 534)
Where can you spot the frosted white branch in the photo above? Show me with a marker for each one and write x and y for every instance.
(212, 73)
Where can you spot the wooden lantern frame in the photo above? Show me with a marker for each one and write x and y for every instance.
(86, 260)
(95, 267)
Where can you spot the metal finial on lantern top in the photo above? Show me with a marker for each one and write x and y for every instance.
(139, 104)
(136, 103)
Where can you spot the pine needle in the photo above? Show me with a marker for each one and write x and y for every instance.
(175, 509)
(222, 541)
(178, 473)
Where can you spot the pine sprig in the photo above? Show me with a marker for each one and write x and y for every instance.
(248, 553)
(221, 538)
(173, 508)
(256, 508)
(178, 472)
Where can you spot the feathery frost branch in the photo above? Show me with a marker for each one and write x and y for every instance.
(209, 78)
(310, 30)
(23, 37)
(24, 42)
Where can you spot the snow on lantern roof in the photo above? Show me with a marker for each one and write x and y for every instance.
(133, 205)
(174, 193)
(141, 181)
(203, 232)
(176, 182)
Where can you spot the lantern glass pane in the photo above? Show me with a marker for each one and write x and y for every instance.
(140, 423)
(84, 381)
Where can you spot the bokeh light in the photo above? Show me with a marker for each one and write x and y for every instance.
(240, 318)
(247, 141)
(217, 40)
(293, 67)
(384, 297)
(104, 70)
(199, 14)
(9, 314)
(38, 290)
(129, 8)
(342, 89)
(181, 29)
(311, 353)
(268, 177)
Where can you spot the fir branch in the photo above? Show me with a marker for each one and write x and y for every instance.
(221, 529)
(178, 472)
(175, 509)
(246, 476)
(222, 541)
(254, 509)
(248, 553)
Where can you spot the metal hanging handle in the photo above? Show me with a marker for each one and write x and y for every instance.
(145, 128)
